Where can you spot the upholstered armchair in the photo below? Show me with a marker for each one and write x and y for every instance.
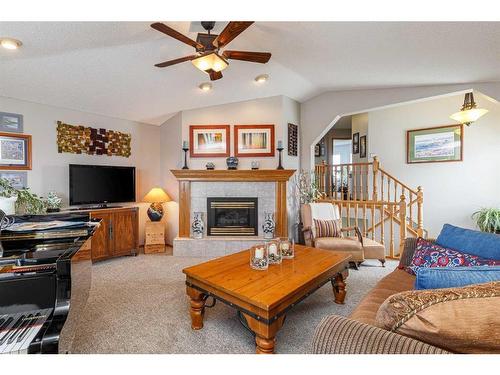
(359, 247)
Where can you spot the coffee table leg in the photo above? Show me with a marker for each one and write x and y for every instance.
(339, 289)
(264, 333)
(197, 309)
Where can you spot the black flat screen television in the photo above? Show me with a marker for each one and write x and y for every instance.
(97, 184)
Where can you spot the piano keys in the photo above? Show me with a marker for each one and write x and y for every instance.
(44, 284)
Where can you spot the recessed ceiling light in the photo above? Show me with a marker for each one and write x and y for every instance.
(9, 43)
(261, 78)
(205, 86)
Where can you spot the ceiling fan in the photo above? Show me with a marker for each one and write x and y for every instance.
(208, 57)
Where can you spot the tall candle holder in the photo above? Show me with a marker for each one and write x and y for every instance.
(185, 149)
(280, 166)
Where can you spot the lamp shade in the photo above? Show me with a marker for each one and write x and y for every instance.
(210, 61)
(156, 195)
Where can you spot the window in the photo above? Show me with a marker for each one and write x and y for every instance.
(342, 151)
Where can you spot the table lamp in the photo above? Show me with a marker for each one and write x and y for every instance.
(156, 197)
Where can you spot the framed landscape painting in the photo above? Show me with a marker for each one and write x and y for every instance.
(11, 122)
(15, 151)
(209, 141)
(253, 140)
(438, 144)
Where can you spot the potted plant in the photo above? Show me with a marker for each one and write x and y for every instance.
(53, 202)
(488, 220)
(20, 201)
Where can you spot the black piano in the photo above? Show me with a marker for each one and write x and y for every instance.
(45, 278)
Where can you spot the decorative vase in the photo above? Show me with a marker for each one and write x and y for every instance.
(259, 258)
(198, 226)
(269, 225)
(232, 163)
(210, 166)
(8, 205)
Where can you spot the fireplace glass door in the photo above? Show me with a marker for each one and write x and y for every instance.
(232, 216)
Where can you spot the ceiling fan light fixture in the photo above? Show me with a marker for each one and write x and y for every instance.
(211, 61)
(469, 112)
(9, 43)
(261, 78)
(205, 86)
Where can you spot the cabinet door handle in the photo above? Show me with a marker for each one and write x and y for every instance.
(111, 230)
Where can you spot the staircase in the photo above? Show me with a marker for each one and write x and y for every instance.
(384, 208)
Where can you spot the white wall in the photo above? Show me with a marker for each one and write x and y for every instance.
(452, 190)
(318, 113)
(277, 110)
(50, 168)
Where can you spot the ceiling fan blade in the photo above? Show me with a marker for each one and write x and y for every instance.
(231, 31)
(161, 27)
(257, 57)
(176, 61)
(214, 76)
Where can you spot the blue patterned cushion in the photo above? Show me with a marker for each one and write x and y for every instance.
(431, 255)
(486, 245)
(435, 278)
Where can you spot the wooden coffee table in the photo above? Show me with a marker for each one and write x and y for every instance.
(264, 297)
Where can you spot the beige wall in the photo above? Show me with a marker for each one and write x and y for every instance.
(50, 168)
(452, 190)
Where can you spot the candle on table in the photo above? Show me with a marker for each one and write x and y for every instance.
(284, 246)
(259, 253)
(280, 144)
(273, 249)
(184, 144)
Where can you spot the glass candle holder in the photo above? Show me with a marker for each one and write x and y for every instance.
(258, 257)
(287, 248)
(273, 252)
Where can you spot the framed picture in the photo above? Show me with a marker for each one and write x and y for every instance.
(317, 150)
(209, 141)
(15, 151)
(362, 146)
(11, 122)
(18, 180)
(253, 140)
(355, 143)
(293, 139)
(438, 144)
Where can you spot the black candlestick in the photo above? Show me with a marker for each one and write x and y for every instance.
(185, 157)
(280, 149)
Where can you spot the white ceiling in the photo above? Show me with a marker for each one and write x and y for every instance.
(107, 67)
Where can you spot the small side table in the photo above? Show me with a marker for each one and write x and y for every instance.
(155, 237)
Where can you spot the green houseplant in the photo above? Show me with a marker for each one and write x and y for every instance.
(26, 203)
(488, 220)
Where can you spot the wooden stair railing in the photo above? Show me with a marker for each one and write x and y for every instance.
(366, 186)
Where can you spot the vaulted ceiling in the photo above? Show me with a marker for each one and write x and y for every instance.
(107, 67)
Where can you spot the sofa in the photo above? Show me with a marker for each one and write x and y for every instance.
(359, 247)
(370, 328)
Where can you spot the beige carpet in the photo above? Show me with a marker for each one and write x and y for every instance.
(138, 305)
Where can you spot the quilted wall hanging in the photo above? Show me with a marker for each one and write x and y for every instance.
(78, 139)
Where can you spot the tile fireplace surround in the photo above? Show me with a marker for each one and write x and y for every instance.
(195, 186)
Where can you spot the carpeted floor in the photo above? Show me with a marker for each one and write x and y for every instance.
(139, 305)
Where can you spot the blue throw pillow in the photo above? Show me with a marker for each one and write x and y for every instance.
(435, 278)
(485, 245)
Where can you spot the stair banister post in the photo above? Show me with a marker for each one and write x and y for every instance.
(402, 224)
(376, 165)
(420, 211)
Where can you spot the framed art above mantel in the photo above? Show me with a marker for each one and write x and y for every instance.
(436, 144)
(209, 141)
(15, 151)
(253, 140)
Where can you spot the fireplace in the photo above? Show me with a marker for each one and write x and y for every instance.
(232, 216)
